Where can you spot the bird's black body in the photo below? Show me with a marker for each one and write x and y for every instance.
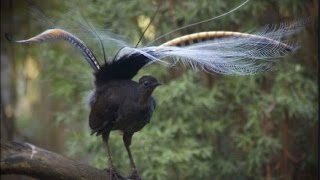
(119, 103)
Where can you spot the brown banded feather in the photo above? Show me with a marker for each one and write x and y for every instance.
(57, 34)
(211, 35)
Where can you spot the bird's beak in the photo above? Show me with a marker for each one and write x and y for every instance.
(157, 84)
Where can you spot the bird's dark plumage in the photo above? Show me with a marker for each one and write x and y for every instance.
(119, 103)
(124, 68)
(122, 105)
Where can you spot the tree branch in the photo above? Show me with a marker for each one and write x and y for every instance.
(27, 159)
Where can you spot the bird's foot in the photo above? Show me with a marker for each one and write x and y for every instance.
(134, 175)
(113, 174)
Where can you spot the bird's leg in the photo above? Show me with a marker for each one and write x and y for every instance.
(112, 171)
(127, 142)
(109, 157)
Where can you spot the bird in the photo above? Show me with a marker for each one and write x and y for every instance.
(120, 103)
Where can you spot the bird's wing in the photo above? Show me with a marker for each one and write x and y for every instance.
(104, 113)
(153, 104)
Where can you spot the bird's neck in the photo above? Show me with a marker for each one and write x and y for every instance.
(144, 97)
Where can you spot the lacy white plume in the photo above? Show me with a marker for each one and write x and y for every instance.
(231, 55)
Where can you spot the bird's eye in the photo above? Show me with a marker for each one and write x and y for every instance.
(146, 83)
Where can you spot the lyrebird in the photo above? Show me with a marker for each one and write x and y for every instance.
(119, 103)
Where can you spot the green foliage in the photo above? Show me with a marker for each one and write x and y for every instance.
(230, 130)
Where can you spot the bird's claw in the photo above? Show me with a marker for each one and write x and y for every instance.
(134, 175)
(113, 174)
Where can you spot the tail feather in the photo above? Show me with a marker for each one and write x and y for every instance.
(57, 34)
(126, 67)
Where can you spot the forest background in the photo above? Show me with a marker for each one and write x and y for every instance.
(206, 126)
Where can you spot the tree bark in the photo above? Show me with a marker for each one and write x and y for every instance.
(27, 159)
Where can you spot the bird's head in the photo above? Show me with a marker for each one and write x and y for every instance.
(148, 84)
